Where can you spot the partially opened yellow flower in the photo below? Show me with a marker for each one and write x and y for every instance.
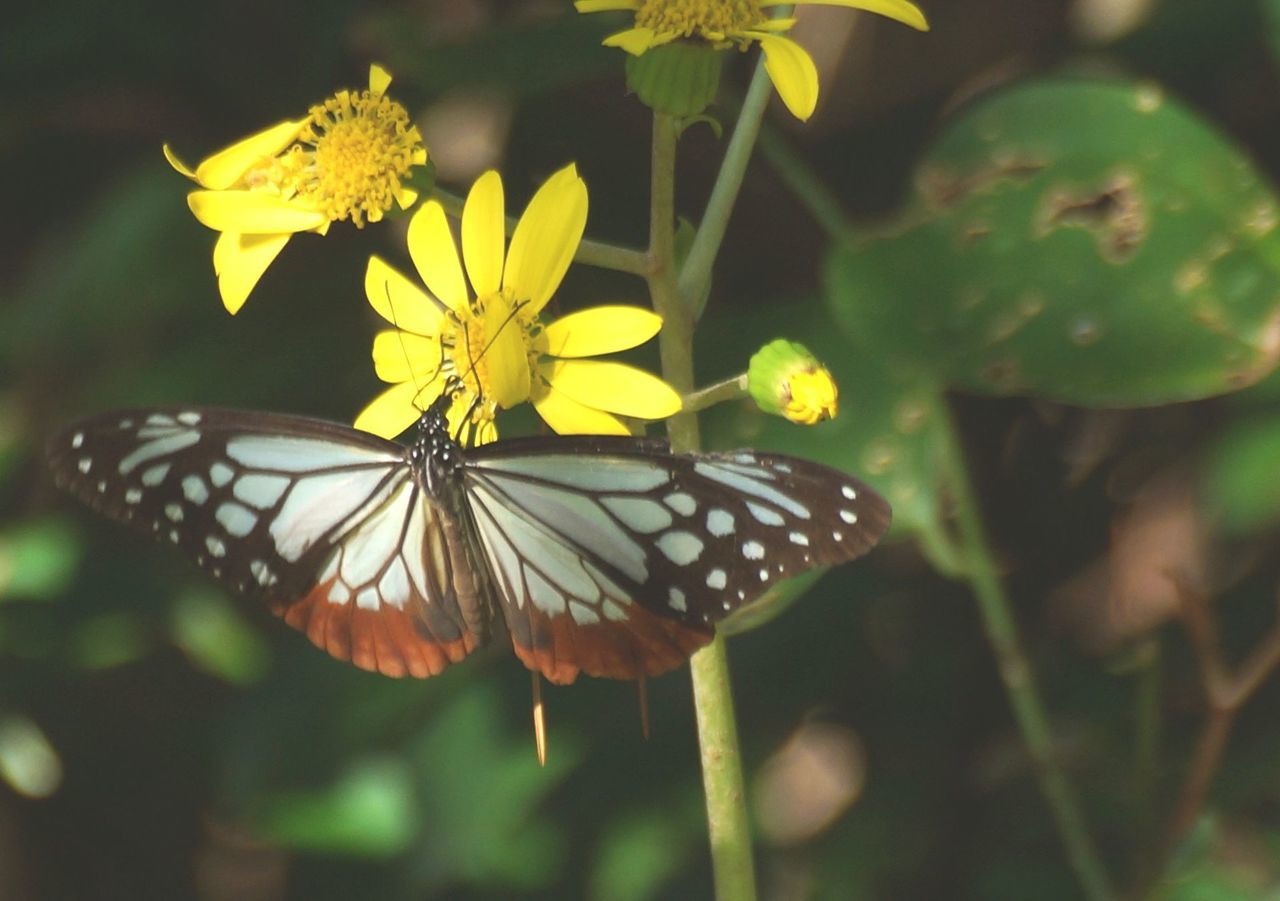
(483, 330)
(348, 159)
(726, 23)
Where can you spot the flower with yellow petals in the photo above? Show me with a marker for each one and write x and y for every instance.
(739, 23)
(348, 159)
(481, 333)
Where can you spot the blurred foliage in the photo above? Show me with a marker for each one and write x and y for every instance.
(158, 740)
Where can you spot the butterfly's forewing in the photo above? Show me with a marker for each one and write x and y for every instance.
(615, 558)
(326, 525)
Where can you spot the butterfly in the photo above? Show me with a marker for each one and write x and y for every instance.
(609, 556)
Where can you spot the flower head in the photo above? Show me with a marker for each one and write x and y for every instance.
(739, 23)
(347, 160)
(483, 330)
(786, 380)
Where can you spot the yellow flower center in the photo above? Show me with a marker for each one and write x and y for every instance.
(712, 20)
(810, 396)
(493, 351)
(361, 146)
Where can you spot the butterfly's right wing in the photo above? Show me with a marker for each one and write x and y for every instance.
(325, 525)
(614, 557)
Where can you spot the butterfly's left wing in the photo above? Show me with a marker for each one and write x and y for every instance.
(614, 557)
(326, 526)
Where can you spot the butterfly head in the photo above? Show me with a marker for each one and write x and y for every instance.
(434, 449)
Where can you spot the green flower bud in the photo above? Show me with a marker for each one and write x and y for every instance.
(786, 380)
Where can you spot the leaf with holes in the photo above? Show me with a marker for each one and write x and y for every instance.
(1094, 243)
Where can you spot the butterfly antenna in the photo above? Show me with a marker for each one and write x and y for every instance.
(473, 361)
(404, 349)
(539, 720)
(642, 692)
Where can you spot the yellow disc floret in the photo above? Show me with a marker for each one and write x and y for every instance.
(357, 147)
(712, 20)
(811, 397)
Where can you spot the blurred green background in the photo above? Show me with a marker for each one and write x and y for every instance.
(1063, 233)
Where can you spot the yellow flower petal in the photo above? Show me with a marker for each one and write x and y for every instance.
(390, 413)
(406, 197)
(634, 40)
(546, 238)
(775, 26)
(178, 164)
(505, 358)
(394, 351)
(435, 255)
(379, 80)
(792, 71)
(239, 261)
(228, 166)
(486, 432)
(400, 301)
(568, 417)
(600, 330)
(466, 428)
(901, 10)
(252, 212)
(484, 233)
(613, 387)
(600, 6)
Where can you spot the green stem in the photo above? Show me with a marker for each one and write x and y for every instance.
(727, 825)
(730, 389)
(591, 253)
(1019, 682)
(695, 276)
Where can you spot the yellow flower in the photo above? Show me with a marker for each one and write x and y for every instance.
(347, 159)
(787, 380)
(483, 330)
(726, 23)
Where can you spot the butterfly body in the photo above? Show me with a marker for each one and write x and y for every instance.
(604, 555)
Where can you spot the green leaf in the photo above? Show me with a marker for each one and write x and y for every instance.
(641, 852)
(37, 559)
(217, 639)
(1241, 487)
(368, 811)
(1093, 243)
(486, 832)
(110, 640)
(29, 763)
(1271, 9)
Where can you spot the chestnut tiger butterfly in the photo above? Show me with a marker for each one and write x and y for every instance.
(610, 556)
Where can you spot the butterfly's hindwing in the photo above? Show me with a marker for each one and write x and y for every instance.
(325, 525)
(615, 557)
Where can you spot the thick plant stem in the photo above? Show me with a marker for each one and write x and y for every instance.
(722, 780)
(695, 276)
(1019, 682)
(727, 824)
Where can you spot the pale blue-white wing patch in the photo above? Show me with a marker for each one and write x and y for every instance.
(583, 532)
(326, 525)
